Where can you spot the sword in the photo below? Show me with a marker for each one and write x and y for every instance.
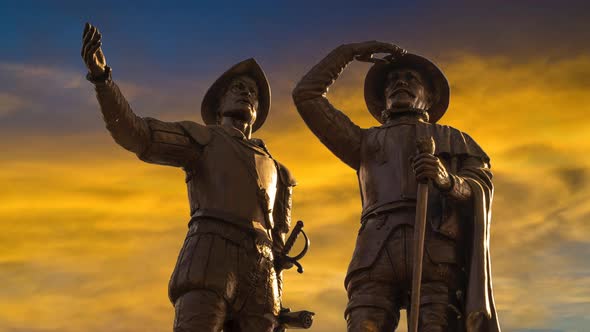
(425, 145)
(288, 319)
(298, 229)
(294, 320)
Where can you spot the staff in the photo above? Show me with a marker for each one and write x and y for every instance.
(425, 145)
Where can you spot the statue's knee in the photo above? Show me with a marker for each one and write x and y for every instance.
(433, 318)
(371, 313)
(199, 310)
(370, 319)
(433, 328)
(439, 308)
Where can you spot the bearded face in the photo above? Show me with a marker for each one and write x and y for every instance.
(404, 89)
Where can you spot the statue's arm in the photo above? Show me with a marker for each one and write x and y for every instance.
(453, 184)
(128, 130)
(334, 129)
(152, 140)
(466, 161)
(282, 219)
(473, 167)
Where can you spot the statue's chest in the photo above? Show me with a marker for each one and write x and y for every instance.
(391, 148)
(243, 162)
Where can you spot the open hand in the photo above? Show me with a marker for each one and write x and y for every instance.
(91, 51)
(428, 167)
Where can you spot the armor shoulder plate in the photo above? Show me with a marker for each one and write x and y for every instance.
(285, 176)
(200, 133)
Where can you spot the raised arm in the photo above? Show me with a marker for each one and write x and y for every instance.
(334, 129)
(152, 140)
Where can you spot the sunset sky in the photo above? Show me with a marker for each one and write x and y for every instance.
(90, 234)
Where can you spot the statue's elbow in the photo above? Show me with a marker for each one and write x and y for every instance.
(303, 93)
(297, 94)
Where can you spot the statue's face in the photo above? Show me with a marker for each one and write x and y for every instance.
(240, 99)
(406, 88)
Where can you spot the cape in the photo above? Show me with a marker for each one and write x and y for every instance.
(480, 308)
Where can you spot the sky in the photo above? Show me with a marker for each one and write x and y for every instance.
(90, 234)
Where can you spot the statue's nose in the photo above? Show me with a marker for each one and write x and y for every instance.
(400, 83)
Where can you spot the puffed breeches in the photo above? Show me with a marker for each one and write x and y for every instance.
(377, 294)
(224, 279)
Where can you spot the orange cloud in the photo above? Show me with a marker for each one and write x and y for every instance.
(90, 233)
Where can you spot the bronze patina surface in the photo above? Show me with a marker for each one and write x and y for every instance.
(228, 273)
(408, 94)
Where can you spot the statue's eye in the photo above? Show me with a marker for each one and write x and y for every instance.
(237, 87)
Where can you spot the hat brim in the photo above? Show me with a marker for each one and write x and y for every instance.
(250, 68)
(377, 77)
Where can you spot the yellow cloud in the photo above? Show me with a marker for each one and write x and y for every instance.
(90, 233)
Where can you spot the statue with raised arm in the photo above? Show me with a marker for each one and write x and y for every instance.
(407, 94)
(228, 273)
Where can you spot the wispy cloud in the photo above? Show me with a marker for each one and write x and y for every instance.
(89, 231)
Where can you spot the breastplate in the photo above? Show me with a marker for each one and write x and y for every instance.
(233, 179)
(385, 174)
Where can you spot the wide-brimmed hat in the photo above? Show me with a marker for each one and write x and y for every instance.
(377, 77)
(250, 68)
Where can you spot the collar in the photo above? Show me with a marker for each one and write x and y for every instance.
(410, 116)
(233, 132)
(253, 143)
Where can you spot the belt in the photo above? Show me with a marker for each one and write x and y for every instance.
(229, 218)
(388, 208)
(238, 233)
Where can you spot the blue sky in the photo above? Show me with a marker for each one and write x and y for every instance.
(81, 216)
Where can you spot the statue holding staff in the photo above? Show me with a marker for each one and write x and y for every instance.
(407, 94)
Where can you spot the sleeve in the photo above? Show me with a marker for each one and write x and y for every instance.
(333, 128)
(477, 169)
(170, 144)
(282, 218)
(475, 163)
(283, 201)
(467, 160)
(473, 168)
(153, 141)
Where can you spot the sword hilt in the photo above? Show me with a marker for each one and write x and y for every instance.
(298, 229)
(293, 237)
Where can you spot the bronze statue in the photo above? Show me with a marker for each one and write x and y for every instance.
(228, 274)
(408, 94)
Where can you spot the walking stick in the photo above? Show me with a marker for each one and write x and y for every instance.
(425, 145)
